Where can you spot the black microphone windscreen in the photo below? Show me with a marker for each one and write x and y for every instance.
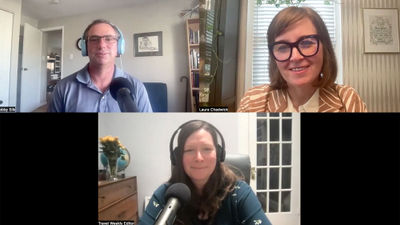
(180, 191)
(117, 84)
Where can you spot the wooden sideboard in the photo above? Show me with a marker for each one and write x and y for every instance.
(118, 200)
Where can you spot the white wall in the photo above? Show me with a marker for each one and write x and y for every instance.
(374, 76)
(43, 85)
(147, 138)
(13, 6)
(30, 20)
(54, 42)
(146, 17)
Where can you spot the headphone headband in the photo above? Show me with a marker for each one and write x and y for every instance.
(221, 154)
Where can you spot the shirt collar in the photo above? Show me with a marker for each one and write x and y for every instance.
(83, 75)
(328, 97)
(312, 105)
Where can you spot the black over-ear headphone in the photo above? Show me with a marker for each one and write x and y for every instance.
(220, 148)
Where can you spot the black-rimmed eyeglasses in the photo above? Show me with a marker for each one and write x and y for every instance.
(307, 46)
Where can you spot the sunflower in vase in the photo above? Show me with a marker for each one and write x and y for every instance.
(111, 149)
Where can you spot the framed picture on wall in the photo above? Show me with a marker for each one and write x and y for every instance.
(148, 44)
(381, 31)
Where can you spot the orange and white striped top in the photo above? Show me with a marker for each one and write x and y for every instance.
(337, 98)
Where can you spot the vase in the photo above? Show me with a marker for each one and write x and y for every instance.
(113, 169)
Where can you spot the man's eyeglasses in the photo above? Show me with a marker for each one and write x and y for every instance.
(307, 46)
(109, 39)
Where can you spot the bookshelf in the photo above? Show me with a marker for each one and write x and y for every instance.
(53, 72)
(193, 44)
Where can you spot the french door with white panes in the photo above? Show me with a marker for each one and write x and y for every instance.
(274, 149)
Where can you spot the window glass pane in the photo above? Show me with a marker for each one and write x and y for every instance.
(285, 201)
(274, 130)
(262, 154)
(273, 201)
(262, 17)
(274, 178)
(286, 177)
(261, 114)
(262, 197)
(274, 154)
(286, 130)
(262, 178)
(274, 114)
(286, 114)
(261, 130)
(286, 154)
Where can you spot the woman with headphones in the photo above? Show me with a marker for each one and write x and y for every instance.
(217, 194)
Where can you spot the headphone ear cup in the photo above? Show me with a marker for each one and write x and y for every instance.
(83, 47)
(173, 156)
(221, 153)
(121, 43)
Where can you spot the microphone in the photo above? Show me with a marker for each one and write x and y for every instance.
(177, 195)
(121, 90)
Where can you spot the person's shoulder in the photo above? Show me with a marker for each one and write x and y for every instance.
(254, 100)
(350, 98)
(262, 89)
(341, 88)
(134, 80)
(68, 80)
(241, 188)
(160, 191)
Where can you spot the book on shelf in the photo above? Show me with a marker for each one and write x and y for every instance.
(196, 79)
(194, 36)
(196, 99)
(194, 59)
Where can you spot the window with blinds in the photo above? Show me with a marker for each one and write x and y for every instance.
(262, 17)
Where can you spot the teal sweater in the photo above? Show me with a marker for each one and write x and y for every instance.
(241, 206)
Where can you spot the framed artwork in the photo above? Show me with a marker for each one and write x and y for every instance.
(148, 44)
(381, 31)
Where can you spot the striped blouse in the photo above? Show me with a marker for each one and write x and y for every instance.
(337, 98)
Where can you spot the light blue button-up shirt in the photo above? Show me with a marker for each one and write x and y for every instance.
(77, 93)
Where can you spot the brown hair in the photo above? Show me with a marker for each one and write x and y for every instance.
(284, 19)
(220, 183)
(98, 21)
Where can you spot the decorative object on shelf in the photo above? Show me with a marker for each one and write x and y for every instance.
(381, 31)
(122, 162)
(148, 44)
(115, 156)
(191, 11)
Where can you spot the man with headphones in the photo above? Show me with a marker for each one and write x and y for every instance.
(87, 90)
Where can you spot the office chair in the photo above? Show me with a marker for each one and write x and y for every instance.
(157, 95)
(240, 165)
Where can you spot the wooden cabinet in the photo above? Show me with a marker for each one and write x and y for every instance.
(118, 200)
(193, 43)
